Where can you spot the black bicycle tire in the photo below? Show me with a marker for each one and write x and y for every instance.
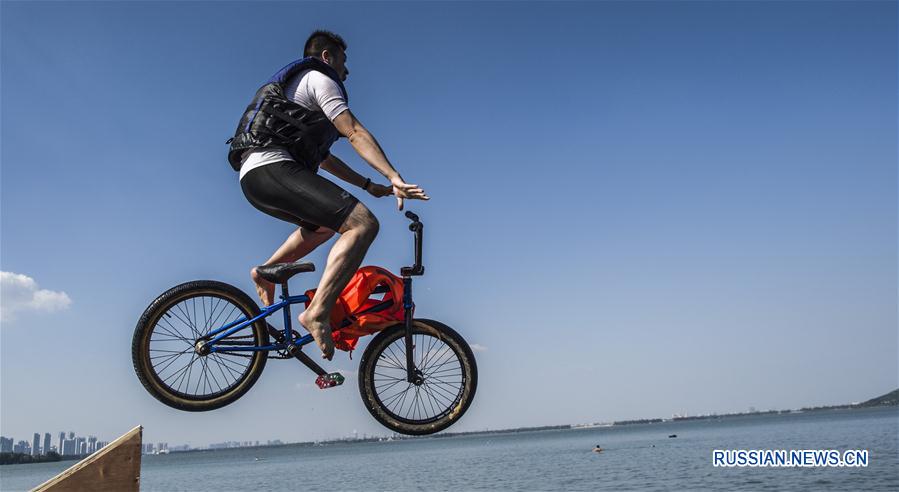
(143, 331)
(388, 336)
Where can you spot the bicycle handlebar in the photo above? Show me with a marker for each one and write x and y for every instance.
(416, 227)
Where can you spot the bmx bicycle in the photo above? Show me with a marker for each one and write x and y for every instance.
(203, 344)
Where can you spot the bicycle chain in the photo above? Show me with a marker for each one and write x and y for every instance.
(281, 354)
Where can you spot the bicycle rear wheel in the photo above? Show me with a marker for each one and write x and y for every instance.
(163, 348)
(449, 378)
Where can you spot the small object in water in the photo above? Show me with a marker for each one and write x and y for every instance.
(597, 449)
(259, 459)
(672, 436)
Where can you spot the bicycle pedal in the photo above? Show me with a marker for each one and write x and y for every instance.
(329, 380)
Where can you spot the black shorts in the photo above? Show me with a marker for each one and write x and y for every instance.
(293, 192)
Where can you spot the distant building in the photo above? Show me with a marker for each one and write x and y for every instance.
(22, 447)
(5, 445)
(68, 447)
(46, 448)
(62, 438)
(71, 435)
(36, 444)
(91, 444)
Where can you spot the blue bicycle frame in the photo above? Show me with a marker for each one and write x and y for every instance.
(215, 336)
(216, 340)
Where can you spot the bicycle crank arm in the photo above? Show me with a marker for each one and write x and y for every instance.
(297, 352)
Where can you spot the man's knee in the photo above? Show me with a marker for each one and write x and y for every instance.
(362, 220)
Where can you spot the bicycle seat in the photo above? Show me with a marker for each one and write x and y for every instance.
(279, 272)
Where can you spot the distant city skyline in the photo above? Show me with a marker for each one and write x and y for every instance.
(71, 446)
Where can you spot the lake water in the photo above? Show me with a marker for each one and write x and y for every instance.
(635, 457)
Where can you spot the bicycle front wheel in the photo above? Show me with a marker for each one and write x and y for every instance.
(449, 378)
(163, 347)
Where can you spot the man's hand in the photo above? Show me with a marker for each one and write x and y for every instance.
(404, 190)
(378, 191)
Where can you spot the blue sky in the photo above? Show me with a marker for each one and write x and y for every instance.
(638, 209)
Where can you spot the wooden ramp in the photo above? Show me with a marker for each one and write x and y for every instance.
(114, 468)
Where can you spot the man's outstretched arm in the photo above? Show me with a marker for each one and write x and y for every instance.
(367, 147)
(340, 169)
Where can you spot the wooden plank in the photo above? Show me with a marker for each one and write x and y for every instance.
(114, 468)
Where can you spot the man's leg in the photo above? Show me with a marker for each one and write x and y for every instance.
(299, 244)
(356, 235)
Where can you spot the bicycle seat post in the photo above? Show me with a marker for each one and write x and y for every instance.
(285, 293)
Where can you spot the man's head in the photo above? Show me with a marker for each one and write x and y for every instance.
(330, 48)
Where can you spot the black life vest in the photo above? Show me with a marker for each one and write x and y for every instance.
(272, 119)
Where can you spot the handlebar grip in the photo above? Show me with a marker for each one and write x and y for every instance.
(411, 216)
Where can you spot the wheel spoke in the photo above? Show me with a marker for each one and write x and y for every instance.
(221, 371)
(160, 371)
(386, 386)
(180, 373)
(212, 373)
(230, 363)
(395, 358)
(167, 357)
(427, 355)
(452, 371)
(415, 401)
(391, 377)
(393, 399)
(193, 328)
(434, 368)
(392, 364)
(443, 391)
(215, 322)
(444, 358)
(224, 363)
(190, 367)
(176, 335)
(440, 398)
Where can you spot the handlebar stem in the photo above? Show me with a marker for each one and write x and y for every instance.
(416, 227)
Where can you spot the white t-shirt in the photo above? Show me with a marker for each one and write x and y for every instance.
(312, 90)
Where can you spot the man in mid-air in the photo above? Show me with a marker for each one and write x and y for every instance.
(282, 139)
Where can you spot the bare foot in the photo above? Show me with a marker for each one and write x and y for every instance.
(321, 332)
(264, 289)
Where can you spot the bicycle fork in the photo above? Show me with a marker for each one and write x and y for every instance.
(413, 375)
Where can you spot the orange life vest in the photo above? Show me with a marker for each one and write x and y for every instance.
(356, 313)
